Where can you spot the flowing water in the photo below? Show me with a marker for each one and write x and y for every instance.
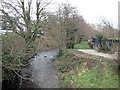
(43, 70)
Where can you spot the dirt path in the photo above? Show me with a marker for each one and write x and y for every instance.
(93, 52)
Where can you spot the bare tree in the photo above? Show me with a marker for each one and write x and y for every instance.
(109, 32)
(23, 20)
(26, 19)
(67, 14)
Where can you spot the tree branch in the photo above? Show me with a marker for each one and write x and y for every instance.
(14, 8)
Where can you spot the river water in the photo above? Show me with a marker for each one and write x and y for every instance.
(42, 70)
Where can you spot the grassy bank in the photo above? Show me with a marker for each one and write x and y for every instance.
(79, 70)
(82, 45)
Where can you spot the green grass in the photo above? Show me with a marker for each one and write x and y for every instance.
(76, 75)
(117, 38)
(82, 45)
(94, 79)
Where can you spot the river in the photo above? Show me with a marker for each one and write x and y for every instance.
(42, 70)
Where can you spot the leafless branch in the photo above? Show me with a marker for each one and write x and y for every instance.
(107, 23)
(13, 8)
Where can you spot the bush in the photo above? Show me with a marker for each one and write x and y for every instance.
(12, 54)
(15, 55)
(102, 40)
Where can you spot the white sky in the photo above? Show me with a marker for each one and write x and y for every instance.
(92, 10)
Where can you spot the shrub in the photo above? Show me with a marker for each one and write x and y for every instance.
(12, 54)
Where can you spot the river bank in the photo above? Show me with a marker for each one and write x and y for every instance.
(81, 70)
(41, 71)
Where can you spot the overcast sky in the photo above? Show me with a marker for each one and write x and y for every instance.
(92, 10)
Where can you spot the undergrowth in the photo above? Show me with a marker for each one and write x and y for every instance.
(87, 71)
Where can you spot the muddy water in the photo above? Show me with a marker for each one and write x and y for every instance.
(44, 69)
